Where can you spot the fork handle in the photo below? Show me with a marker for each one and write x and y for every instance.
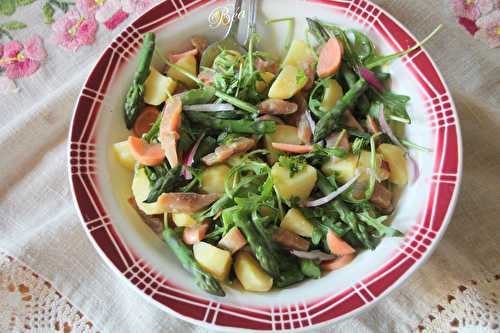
(252, 17)
(235, 20)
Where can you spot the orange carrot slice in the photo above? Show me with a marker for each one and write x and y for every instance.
(173, 58)
(289, 148)
(330, 58)
(195, 234)
(233, 240)
(145, 120)
(169, 125)
(338, 263)
(338, 246)
(145, 153)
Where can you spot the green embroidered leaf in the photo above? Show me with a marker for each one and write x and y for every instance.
(13, 25)
(24, 2)
(4, 32)
(7, 7)
(62, 5)
(48, 13)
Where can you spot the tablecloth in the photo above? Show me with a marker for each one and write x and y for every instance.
(52, 279)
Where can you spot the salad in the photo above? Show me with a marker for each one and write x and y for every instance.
(266, 172)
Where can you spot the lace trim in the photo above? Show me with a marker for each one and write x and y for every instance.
(472, 307)
(29, 303)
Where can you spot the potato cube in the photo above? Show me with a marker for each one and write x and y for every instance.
(298, 53)
(213, 260)
(250, 274)
(289, 81)
(188, 63)
(333, 92)
(123, 155)
(345, 168)
(296, 222)
(141, 189)
(183, 220)
(157, 87)
(212, 178)
(283, 134)
(396, 159)
(299, 185)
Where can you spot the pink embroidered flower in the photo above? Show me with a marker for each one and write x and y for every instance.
(24, 59)
(111, 14)
(471, 9)
(490, 29)
(74, 30)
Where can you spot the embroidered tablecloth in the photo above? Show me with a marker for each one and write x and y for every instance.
(51, 278)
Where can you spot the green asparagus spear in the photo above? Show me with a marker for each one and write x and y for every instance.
(154, 130)
(242, 126)
(345, 214)
(203, 280)
(265, 257)
(134, 99)
(198, 96)
(164, 184)
(351, 78)
(330, 119)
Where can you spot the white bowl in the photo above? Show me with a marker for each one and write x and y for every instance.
(101, 187)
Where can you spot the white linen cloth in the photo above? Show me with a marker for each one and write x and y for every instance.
(40, 227)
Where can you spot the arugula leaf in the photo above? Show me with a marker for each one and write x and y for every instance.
(378, 60)
(358, 145)
(377, 223)
(394, 104)
(363, 47)
(293, 163)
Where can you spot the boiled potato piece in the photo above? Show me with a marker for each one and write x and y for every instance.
(183, 220)
(345, 168)
(300, 185)
(250, 274)
(157, 87)
(283, 134)
(296, 222)
(289, 81)
(298, 53)
(395, 156)
(212, 178)
(141, 189)
(262, 85)
(235, 159)
(213, 260)
(187, 62)
(123, 155)
(333, 92)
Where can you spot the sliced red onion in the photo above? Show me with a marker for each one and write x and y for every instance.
(209, 107)
(313, 255)
(384, 126)
(334, 194)
(310, 120)
(371, 78)
(414, 169)
(190, 157)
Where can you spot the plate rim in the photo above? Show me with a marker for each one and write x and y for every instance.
(446, 219)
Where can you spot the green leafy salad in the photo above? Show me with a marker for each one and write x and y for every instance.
(259, 172)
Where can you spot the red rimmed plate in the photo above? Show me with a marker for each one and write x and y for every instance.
(101, 187)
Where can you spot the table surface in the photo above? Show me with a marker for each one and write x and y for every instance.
(51, 278)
